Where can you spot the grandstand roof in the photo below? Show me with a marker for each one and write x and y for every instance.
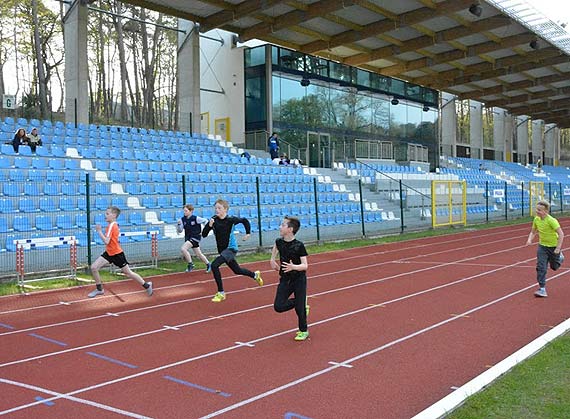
(508, 55)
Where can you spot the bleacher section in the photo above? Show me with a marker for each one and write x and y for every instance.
(144, 172)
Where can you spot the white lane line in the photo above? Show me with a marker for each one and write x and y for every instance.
(313, 277)
(359, 357)
(374, 281)
(67, 397)
(265, 394)
(86, 300)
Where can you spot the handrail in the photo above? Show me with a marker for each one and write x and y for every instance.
(394, 179)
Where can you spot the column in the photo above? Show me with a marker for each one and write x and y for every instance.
(476, 129)
(448, 125)
(536, 143)
(76, 68)
(522, 139)
(188, 77)
(508, 133)
(499, 133)
(551, 145)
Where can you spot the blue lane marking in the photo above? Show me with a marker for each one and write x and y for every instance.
(115, 361)
(46, 402)
(199, 387)
(7, 326)
(57, 342)
(291, 415)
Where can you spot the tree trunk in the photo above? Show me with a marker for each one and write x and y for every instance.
(122, 62)
(42, 84)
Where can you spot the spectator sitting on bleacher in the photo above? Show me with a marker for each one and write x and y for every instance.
(19, 139)
(284, 160)
(34, 140)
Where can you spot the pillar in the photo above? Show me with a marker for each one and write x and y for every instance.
(536, 141)
(76, 68)
(476, 129)
(522, 139)
(448, 125)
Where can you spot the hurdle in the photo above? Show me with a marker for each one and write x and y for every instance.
(153, 248)
(38, 243)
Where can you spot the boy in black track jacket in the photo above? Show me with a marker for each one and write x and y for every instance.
(223, 227)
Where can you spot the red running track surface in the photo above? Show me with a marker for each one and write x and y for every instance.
(393, 328)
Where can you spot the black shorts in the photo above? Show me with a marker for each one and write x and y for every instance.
(119, 260)
(195, 243)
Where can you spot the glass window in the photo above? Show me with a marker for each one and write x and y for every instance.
(363, 77)
(398, 87)
(255, 56)
(398, 120)
(414, 121)
(276, 97)
(255, 99)
(380, 116)
(317, 66)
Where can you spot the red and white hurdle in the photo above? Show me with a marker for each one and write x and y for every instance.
(43, 242)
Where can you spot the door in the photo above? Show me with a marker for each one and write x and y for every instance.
(318, 149)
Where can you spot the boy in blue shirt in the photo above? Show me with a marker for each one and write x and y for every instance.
(223, 227)
(192, 226)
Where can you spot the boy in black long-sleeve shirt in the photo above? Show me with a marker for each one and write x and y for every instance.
(223, 226)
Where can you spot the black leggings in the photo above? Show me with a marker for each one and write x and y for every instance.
(228, 257)
(284, 303)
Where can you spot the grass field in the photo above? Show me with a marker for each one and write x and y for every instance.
(538, 388)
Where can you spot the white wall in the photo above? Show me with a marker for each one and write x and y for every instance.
(221, 68)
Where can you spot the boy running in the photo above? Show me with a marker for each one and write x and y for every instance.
(550, 238)
(113, 254)
(292, 269)
(223, 225)
(191, 225)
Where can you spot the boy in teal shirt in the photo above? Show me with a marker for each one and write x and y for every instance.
(550, 238)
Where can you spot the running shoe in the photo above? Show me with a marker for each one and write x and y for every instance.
(219, 297)
(95, 293)
(541, 292)
(258, 278)
(301, 335)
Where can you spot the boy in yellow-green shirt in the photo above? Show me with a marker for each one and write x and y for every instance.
(550, 238)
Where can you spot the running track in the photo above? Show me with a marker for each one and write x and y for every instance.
(394, 328)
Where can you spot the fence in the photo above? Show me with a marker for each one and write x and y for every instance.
(71, 203)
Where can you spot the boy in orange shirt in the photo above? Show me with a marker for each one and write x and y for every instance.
(113, 254)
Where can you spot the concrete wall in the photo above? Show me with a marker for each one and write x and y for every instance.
(222, 69)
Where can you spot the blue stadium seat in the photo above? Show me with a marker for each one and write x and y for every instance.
(44, 222)
(81, 220)
(22, 162)
(136, 219)
(69, 189)
(54, 176)
(3, 225)
(6, 206)
(168, 217)
(163, 201)
(67, 203)
(149, 202)
(48, 204)
(101, 203)
(22, 223)
(177, 201)
(11, 189)
(51, 188)
(31, 189)
(7, 150)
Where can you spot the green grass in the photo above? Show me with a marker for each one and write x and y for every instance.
(538, 388)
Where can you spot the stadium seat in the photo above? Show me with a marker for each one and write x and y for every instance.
(11, 189)
(44, 222)
(67, 203)
(27, 205)
(48, 204)
(6, 206)
(51, 188)
(31, 189)
(22, 223)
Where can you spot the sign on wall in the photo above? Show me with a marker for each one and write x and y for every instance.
(9, 101)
